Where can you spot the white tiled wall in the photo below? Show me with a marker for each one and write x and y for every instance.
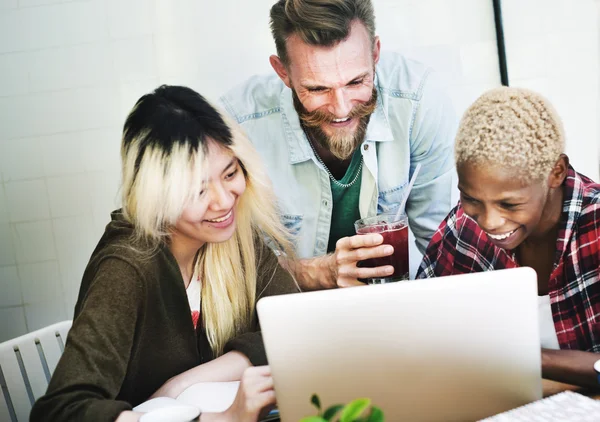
(70, 70)
(553, 47)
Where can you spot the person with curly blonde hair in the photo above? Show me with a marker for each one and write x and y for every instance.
(522, 204)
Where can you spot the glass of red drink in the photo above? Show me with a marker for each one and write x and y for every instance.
(395, 233)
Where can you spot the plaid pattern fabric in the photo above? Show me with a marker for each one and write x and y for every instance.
(459, 246)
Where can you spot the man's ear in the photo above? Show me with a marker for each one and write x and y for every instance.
(280, 69)
(376, 50)
(559, 172)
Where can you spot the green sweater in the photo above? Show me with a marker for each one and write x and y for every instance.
(133, 330)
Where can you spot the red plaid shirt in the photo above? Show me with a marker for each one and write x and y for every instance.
(459, 246)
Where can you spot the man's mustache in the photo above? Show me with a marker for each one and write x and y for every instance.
(318, 118)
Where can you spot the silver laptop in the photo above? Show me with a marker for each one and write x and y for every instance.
(457, 348)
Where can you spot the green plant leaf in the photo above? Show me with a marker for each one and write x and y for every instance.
(316, 402)
(313, 419)
(376, 415)
(354, 409)
(330, 413)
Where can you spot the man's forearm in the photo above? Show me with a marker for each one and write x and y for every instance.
(313, 273)
(570, 366)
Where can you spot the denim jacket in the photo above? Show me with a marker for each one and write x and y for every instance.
(413, 122)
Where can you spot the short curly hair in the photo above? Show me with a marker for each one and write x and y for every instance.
(512, 128)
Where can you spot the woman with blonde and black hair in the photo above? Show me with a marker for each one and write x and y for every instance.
(523, 204)
(168, 297)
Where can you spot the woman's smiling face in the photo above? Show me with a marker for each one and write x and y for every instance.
(506, 208)
(211, 218)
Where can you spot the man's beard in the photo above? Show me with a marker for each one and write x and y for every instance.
(341, 143)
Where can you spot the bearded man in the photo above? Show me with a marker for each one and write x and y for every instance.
(341, 128)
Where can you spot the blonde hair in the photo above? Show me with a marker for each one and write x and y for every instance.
(318, 22)
(164, 152)
(512, 128)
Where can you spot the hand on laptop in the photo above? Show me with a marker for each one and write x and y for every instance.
(255, 394)
(350, 250)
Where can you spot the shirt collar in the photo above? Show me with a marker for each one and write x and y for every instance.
(378, 129)
(572, 206)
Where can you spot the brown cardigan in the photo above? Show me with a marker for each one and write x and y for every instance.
(133, 330)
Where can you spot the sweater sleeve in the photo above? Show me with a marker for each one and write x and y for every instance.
(90, 372)
(272, 279)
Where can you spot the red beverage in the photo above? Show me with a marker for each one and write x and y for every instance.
(394, 234)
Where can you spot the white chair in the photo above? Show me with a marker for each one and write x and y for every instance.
(26, 364)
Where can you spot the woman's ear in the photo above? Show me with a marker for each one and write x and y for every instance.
(559, 172)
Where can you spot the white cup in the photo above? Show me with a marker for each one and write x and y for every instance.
(181, 413)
